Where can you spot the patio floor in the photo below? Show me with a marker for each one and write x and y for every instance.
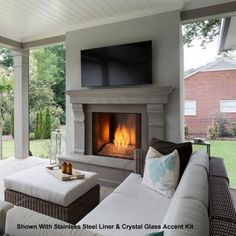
(12, 165)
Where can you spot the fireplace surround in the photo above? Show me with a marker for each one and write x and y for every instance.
(146, 103)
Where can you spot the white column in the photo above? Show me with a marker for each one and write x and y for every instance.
(21, 81)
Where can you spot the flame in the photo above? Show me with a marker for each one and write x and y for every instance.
(122, 137)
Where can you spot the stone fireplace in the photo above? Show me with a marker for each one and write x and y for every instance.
(110, 123)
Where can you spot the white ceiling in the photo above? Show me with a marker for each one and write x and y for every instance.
(27, 20)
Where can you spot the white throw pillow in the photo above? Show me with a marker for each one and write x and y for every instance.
(161, 172)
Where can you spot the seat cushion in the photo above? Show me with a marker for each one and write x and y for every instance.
(124, 210)
(37, 182)
(184, 150)
(132, 186)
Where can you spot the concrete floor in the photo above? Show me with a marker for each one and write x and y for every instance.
(12, 165)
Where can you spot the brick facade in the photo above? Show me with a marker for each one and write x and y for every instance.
(208, 88)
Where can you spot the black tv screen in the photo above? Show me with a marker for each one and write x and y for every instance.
(126, 64)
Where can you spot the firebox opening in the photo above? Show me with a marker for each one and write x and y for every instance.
(116, 134)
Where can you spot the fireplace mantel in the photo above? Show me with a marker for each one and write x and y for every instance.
(147, 100)
(138, 95)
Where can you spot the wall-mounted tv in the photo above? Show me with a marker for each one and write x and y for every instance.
(126, 64)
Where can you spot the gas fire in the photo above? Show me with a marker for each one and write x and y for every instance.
(122, 138)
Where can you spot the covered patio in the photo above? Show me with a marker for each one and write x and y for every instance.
(158, 109)
(30, 24)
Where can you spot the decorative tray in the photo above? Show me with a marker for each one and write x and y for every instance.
(56, 171)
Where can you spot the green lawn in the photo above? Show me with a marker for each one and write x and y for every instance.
(226, 150)
(39, 148)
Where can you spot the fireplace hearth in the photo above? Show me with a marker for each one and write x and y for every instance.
(116, 134)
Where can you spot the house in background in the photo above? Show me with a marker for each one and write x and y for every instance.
(210, 92)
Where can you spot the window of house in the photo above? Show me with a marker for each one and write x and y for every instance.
(228, 105)
(190, 108)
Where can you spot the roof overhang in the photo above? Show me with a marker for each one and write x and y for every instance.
(28, 24)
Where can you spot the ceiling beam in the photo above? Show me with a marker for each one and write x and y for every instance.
(9, 43)
(223, 33)
(44, 42)
(220, 10)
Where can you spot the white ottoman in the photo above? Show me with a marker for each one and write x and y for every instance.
(36, 189)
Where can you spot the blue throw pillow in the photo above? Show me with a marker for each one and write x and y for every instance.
(161, 172)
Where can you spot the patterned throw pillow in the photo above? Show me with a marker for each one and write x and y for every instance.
(184, 151)
(161, 173)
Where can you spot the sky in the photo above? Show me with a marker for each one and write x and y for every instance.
(195, 56)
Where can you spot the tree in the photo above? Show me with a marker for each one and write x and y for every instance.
(40, 124)
(47, 80)
(47, 124)
(36, 132)
(6, 99)
(205, 31)
(12, 123)
(6, 59)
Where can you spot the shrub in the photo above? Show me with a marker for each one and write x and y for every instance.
(6, 125)
(186, 132)
(36, 132)
(233, 128)
(47, 124)
(31, 136)
(40, 125)
(213, 130)
(12, 123)
(223, 125)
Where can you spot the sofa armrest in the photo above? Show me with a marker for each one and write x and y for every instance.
(4, 208)
(222, 228)
(217, 168)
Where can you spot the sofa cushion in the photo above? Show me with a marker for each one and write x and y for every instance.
(18, 217)
(200, 158)
(161, 173)
(190, 215)
(194, 185)
(132, 186)
(184, 150)
(4, 208)
(126, 210)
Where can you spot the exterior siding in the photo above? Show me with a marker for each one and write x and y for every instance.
(208, 88)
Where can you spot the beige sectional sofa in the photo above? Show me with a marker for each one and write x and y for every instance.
(134, 209)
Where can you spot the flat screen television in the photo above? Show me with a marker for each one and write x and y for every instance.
(127, 64)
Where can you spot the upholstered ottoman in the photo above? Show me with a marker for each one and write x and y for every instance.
(38, 190)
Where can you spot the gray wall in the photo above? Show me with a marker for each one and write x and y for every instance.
(165, 32)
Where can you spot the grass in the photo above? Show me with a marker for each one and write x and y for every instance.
(226, 150)
(39, 148)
